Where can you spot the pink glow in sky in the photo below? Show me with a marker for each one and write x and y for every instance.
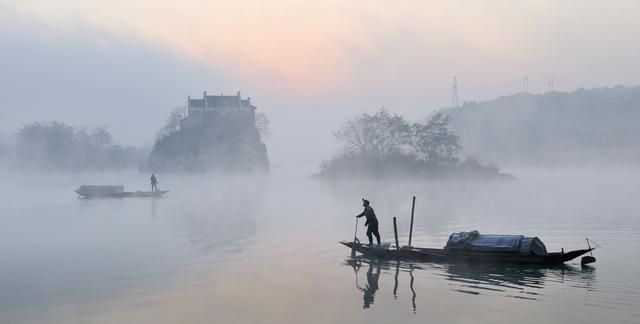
(333, 47)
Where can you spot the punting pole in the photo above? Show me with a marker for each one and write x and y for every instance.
(588, 259)
(353, 250)
(355, 233)
(413, 207)
(395, 232)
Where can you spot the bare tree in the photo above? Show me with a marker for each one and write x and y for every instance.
(100, 138)
(172, 124)
(379, 134)
(263, 125)
(435, 142)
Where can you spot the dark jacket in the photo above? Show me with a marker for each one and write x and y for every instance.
(370, 215)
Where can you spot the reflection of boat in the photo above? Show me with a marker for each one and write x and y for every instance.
(111, 191)
(524, 282)
(468, 253)
(515, 280)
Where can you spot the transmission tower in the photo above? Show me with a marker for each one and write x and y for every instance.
(551, 85)
(454, 93)
(525, 84)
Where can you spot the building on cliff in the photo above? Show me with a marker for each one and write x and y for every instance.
(218, 133)
(205, 111)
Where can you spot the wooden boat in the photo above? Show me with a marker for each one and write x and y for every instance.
(449, 255)
(115, 191)
(472, 247)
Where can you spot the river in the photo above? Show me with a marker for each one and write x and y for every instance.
(240, 249)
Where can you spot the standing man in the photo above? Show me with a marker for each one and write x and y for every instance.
(371, 223)
(154, 183)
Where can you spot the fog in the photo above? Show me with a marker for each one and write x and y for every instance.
(96, 93)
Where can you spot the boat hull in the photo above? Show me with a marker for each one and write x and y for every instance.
(126, 194)
(444, 255)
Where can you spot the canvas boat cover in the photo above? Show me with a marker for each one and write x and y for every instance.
(99, 190)
(474, 241)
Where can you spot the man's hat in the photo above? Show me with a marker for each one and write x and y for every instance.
(365, 201)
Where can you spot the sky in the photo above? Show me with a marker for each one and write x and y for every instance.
(307, 64)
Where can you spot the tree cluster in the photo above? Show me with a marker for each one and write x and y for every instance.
(384, 134)
(385, 144)
(60, 147)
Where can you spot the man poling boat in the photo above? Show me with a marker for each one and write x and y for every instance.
(154, 183)
(371, 223)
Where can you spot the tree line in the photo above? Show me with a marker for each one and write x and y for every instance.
(57, 146)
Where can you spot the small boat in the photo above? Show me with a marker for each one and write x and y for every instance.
(474, 247)
(115, 191)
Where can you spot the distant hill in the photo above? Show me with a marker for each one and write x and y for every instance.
(581, 127)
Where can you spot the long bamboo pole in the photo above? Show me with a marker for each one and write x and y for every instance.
(355, 233)
(413, 207)
(395, 232)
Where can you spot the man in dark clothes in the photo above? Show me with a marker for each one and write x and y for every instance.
(154, 183)
(371, 223)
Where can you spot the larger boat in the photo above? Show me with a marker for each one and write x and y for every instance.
(114, 191)
(475, 247)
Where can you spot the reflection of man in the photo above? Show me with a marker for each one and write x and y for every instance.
(372, 285)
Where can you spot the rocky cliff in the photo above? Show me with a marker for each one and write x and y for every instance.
(229, 143)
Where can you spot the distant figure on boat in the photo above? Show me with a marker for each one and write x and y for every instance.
(154, 183)
(371, 223)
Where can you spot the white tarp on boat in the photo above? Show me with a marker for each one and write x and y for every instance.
(99, 190)
(474, 241)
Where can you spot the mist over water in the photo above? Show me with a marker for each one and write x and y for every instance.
(265, 250)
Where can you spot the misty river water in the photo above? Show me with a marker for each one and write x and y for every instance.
(265, 250)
